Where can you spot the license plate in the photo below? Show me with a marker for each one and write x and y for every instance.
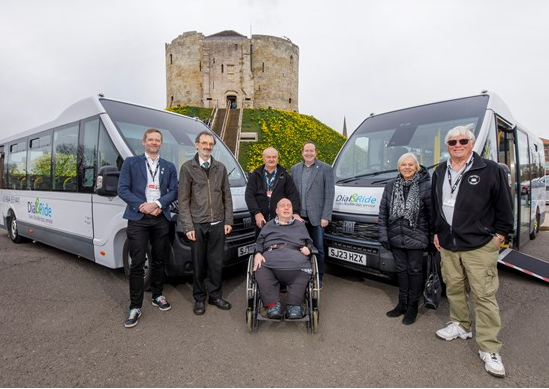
(245, 250)
(348, 256)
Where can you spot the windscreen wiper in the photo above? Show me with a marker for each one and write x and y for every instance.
(373, 174)
(389, 178)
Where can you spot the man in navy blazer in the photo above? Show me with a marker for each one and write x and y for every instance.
(314, 180)
(148, 185)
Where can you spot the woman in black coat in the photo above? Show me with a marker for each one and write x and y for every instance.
(404, 229)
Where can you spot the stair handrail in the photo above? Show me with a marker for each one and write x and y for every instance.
(214, 113)
(224, 126)
(237, 146)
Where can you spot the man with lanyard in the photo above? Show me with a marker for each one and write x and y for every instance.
(267, 185)
(206, 216)
(473, 215)
(148, 185)
(314, 180)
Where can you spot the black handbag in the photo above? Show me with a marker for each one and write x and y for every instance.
(433, 286)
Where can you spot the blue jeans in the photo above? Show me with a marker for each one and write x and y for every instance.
(317, 235)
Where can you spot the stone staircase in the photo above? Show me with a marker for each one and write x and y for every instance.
(219, 119)
(230, 136)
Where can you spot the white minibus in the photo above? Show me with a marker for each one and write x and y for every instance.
(369, 159)
(58, 181)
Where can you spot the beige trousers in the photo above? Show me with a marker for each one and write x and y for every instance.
(477, 270)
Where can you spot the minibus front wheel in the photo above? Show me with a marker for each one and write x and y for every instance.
(13, 230)
(146, 268)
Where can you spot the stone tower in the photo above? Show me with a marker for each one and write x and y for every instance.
(227, 67)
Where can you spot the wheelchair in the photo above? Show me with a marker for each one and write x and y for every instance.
(255, 311)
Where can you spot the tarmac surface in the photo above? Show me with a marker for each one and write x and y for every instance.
(61, 321)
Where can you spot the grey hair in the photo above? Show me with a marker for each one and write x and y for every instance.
(406, 156)
(270, 149)
(461, 130)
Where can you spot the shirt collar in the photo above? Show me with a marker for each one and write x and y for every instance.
(149, 158)
(201, 161)
(467, 163)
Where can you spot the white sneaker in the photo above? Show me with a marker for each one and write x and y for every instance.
(452, 331)
(492, 363)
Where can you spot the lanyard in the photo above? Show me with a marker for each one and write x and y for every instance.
(454, 187)
(150, 170)
(268, 180)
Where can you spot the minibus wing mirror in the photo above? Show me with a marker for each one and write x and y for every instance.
(107, 181)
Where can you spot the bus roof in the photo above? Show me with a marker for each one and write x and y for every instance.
(495, 103)
(85, 108)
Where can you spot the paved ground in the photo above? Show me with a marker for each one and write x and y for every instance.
(61, 325)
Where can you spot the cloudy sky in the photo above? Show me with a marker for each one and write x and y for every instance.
(356, 57)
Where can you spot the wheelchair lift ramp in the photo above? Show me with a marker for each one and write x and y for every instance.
(525, 263)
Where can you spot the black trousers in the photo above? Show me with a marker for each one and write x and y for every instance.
(155, 230)
(409, 268)
(317, 235)
(207, 251)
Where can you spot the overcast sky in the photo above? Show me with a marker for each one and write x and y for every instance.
(356, 57)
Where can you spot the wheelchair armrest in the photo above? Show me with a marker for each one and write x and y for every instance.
(314, 250)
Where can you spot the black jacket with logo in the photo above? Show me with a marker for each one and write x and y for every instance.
(256, 192)
(482, 209)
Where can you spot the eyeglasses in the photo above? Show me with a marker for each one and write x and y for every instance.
(454, 142)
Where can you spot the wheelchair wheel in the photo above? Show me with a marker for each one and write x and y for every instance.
(316, 319)
(249, 319)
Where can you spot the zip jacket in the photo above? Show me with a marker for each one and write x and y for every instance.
(482, 208)
(398, 233)
(204, 197)
(256, 192)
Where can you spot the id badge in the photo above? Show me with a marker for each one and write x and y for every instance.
(450, 202)
(269, 193)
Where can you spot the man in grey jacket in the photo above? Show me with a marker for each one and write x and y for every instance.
(206, 216)
(314, 180)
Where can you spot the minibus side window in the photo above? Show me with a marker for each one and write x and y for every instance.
(108, 155)
(39, 162)
(88, 166)
(65, 147)
(17, 165)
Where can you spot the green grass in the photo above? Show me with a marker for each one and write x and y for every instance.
(286, 131)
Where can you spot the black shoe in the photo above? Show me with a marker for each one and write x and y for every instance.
(131, 321)
(161, 303)
(400, 309)
(411, 314)
(220, 303)
(199, 308)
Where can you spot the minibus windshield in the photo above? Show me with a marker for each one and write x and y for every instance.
(178, 134)
(374, 148)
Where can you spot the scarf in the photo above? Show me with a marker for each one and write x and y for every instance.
(409, 208)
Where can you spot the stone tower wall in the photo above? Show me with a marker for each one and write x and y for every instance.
(275, 67)
(259, 72)
(184, 70)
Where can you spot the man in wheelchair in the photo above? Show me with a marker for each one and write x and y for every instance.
(282, 255)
